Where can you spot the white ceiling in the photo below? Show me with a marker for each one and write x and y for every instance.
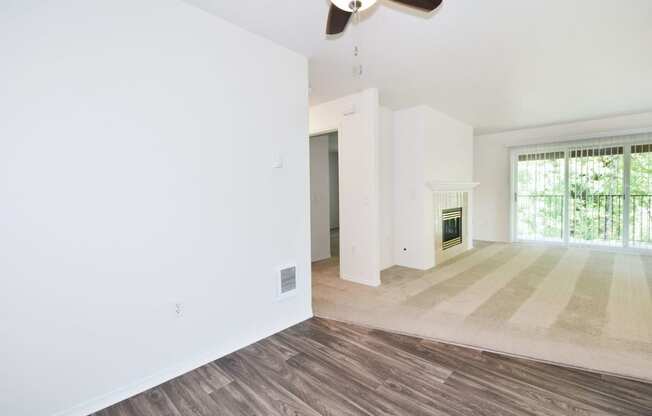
(497, 65)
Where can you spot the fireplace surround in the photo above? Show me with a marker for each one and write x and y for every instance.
(452, 219)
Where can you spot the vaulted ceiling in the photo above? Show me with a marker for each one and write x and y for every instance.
(496, 65)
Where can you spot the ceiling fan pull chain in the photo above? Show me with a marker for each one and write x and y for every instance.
(357, 65)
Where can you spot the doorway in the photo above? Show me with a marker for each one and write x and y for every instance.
(324, 197)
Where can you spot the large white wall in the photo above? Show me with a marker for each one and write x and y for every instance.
(428, 145)
(356, 118)
(320, 227)
(137, 147)
(492, 164)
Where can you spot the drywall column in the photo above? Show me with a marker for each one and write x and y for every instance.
(320, 239)
(356, 118)
(448, 157)
(386, 154)
(428, 145)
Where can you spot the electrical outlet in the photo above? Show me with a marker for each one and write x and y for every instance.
(178, 309)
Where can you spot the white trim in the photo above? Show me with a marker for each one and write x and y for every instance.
(566, 230)
(444, 186)
(513, 233)
(105, 400)
(325, 132)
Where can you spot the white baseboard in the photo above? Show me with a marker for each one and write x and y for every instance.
(103, 401)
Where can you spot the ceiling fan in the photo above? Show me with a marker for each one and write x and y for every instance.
(341, 11)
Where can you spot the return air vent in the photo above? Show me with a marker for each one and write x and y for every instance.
(288, 280)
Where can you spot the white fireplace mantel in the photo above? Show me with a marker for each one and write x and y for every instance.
(445, 186)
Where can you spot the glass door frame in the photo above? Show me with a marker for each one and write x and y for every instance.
(515, 153)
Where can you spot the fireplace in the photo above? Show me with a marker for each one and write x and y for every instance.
(451, 220)
(451, 227)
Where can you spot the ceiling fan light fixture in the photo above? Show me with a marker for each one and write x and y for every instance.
(340, 11)
(349, 5)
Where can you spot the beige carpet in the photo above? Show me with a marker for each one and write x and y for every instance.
(575, 306)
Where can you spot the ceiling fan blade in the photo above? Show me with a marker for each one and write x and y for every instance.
(426, 5)
(337, 20)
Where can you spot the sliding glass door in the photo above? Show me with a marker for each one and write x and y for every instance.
(540, 196)
(640, 197)
(597, 193)
(596, 196)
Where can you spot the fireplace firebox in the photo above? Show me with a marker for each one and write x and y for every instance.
(451, 227)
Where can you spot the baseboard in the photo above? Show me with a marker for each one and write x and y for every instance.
(103, 401)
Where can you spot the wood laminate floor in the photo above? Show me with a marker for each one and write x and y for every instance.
(324, 367)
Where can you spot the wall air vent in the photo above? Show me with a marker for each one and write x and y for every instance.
(288, 281)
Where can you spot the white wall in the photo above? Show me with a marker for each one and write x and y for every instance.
(492, 164)
(449, 148)
(138, 139)
(320, 229)
(409, 188)
(428, 145)
(356, 118)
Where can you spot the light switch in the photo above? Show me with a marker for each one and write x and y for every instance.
(278, 162)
